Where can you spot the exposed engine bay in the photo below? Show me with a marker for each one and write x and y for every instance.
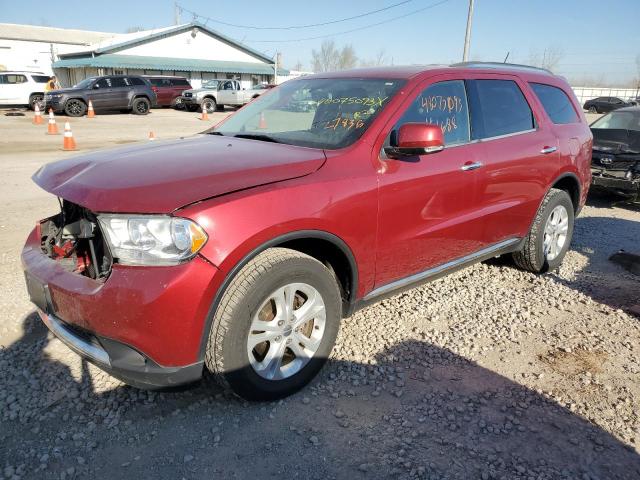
(616, 161)
(74, 239)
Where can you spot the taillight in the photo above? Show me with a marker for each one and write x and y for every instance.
(154, 89)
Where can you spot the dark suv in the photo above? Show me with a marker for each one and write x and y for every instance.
(111, 92)
(240, 251)
(169, 89)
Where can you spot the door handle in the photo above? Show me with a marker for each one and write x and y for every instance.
(470, 166)
(547, 150)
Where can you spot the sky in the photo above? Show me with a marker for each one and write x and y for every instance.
(596, 40)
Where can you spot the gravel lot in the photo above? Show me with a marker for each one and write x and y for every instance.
(490, 373)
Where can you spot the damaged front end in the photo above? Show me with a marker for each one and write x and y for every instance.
(615, 166)
(74, 239)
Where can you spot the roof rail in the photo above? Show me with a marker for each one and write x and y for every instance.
(513, 66)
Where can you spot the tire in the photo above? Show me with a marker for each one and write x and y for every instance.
(209, 105)
(177, 103)
(140, 106)
(247, 300)
(593, 110)
(532, 256)
(36, 98)
(75, 108)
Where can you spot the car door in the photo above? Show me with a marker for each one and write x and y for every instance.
(119, 96)
(427, 210)
(519, 151)
(13, 89)
(227, 95)
(100, 93)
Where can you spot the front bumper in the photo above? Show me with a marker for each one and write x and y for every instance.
(148, 320)
(121, 360)
(621, 185)
(190, 100)
(56, 104)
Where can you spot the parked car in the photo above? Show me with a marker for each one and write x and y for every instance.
(239, 251)
(616, 152)
(604, 104)
(215, 94)
(169, 89)
(22, 89)
(130, 93)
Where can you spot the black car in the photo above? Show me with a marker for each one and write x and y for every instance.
(111, 92)
(615, 164)
(605, 104)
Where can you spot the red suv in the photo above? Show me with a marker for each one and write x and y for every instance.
(238, 252)
(169, 89)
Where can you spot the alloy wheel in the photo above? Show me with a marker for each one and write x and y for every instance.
(555, 232)
(286, 331)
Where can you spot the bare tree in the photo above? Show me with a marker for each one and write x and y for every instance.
(330, 57)
(549, 58)
(133, 29)
(379, 59)
(298, 66)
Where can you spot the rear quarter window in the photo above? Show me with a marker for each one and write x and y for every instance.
(180, 82)
(40, 78)
(498, 107)
(556, 103)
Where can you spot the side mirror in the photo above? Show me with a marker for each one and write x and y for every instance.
(413, 139)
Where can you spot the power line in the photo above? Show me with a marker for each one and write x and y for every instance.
(293, 27)
(353, 29)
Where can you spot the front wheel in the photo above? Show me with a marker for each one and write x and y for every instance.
(140, 106)
(275, 325)
(209, 105)
(550, 236)
(75, 108)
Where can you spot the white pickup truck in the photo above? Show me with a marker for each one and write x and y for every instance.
(215, 94)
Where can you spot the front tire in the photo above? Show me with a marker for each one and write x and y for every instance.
(75, 108)
(209, 105)
(275, 326)
(550, 236)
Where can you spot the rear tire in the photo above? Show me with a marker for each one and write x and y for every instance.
(36, 99)
(75, 108)
(140, 106)
(548, 241)
(254, 321)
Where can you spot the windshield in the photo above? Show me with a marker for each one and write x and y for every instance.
(628, 120)
(319, 113)
(210, 84)
(85, 83)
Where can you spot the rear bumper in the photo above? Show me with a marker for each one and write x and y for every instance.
(119, 359)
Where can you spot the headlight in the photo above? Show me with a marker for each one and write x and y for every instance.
(151, 239)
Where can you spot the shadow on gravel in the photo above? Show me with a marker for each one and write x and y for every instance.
(419, 412)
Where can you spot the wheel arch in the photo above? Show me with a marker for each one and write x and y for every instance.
(325, 247)
(570, 183)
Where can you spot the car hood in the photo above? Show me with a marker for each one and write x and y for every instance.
(613, 140)
(65, 90)
(194, 91)
(160, 177)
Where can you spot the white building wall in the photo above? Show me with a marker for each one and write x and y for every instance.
(184, 45)
(32, 56)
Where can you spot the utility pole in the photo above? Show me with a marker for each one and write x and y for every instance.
(275, 69)
(176, 13)
(467, 36)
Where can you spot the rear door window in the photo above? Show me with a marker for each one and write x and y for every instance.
(443, 104)
(556, 103)
(135, 81)
(118, 82)
(498, 107)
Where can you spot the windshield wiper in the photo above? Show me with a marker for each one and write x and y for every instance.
(257, 136)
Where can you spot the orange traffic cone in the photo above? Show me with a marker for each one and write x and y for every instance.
(204, 115)
(263, 123)
(37, 116)
(90, 111)
(69, 142)
(52, 128)
(152, 136)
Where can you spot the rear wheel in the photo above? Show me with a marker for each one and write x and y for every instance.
(275, 325)
(177, 103)
(140, 106)
(75, 108)
(209, 105)
(36, 99)
(550, 236)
